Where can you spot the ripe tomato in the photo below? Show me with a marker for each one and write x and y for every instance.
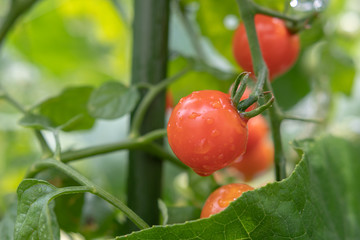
(222, 197)
(279, 47)
(257, 130)
(256, 160)
(206, 132)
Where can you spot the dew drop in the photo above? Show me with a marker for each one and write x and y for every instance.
(194, 115)
(216, 104)
(215, 133)
(209, 121)
(223, 203)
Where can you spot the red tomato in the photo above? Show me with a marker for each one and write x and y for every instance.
(257, 130)
(256, 160)
(279, 47)
(222, 197)
(206, 132)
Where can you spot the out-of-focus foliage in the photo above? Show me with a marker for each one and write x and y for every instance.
(65, 43)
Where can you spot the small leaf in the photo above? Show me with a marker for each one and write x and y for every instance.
(35, 215)
(36, 121)
(70, 104)
(112, 100)
(35, 218)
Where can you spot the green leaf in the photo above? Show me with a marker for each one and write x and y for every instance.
(112, 100)
(69, 105)
(36, 121)
(318, 201)
(68, 208)
(182, 214)
(35, 218)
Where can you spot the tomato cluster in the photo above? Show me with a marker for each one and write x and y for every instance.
(206, 131)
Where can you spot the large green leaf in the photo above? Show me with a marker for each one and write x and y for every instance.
(318, 201)
(112, 100)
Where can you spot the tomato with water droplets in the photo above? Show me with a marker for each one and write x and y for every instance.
(206, 132)
(222, 197)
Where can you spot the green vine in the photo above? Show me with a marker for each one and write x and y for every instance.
(92, 188)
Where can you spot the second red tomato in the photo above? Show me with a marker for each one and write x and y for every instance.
(279, 47)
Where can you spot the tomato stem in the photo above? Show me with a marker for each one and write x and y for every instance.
(46, 150)
(237, 91)
(259, 109)
(312, 120)
(17, 8)
(153, 91)
(248, 9)
(93, 188)
(296, 24)
(193, 36)
(139, 143)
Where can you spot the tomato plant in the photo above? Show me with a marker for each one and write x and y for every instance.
(279, 47)
(222, 197)
(206, 132)
(76, 92)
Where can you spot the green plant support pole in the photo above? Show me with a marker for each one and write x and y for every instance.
(149, 64)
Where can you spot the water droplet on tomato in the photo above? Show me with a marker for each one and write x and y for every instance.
(223, 203)
(215, 133)
(216, 104)
(209, 121)
(202, 147)
(194, 115)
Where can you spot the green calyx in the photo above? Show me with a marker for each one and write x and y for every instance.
(237, 92)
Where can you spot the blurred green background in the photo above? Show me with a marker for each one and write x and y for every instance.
(68, 43)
